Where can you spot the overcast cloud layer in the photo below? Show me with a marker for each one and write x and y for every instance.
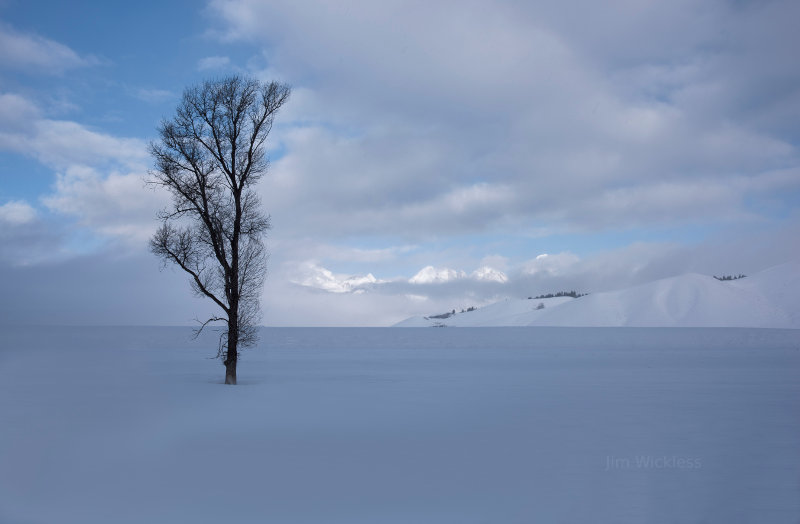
(627, 140)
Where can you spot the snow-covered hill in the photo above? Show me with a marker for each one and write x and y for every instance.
(769, 299)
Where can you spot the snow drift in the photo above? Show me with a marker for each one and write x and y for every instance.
(769, 299)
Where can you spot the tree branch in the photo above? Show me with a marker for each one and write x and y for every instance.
(199, 330)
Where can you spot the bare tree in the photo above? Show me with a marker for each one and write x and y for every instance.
(209, 156)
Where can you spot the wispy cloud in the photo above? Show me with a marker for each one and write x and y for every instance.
(99, 178)
(115, 205)
(29, 51)
(213, 62)
(154, 95)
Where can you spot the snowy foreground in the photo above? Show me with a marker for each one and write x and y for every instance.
(491, 425)
(769, 299)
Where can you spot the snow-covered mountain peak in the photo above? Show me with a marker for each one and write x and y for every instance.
(318, 277)
(434, 275)
(489, 274)
(431, 275)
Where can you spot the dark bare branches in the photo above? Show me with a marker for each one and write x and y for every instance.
(199, 330)
(209, 156)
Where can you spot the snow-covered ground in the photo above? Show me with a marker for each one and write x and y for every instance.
(769, 299)
(490, 425)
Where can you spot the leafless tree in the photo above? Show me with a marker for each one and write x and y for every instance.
(209, 156)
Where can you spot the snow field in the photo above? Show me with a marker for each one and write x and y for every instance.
(501, 425)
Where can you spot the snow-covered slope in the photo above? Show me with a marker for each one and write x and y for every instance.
(780, 286)
(769, 299)
(511, 312)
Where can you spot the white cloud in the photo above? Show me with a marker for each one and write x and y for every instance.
(99, 178)
(550, 264)
(496, 261)
(154, 95)
(213, 62)
(31, 51)
(385, 189)
(16, 114)
(17, 212)
(546, 119)
(343, 253)
(63, 143)
(115, 205)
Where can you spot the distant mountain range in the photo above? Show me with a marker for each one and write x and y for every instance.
(430, 274)
(769, 299)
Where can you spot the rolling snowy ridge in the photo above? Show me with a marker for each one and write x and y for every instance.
(769, 299)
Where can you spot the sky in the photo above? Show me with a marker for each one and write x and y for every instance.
(433, 155)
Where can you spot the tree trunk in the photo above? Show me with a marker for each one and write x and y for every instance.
(231, 356)
(230, 372)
